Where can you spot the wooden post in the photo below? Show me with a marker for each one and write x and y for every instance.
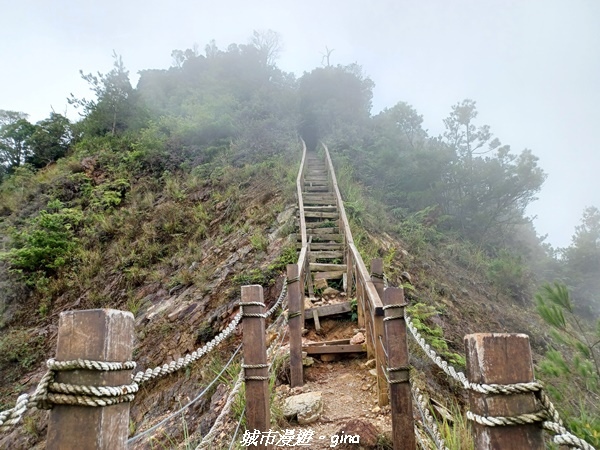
(502, 358)
(295, 323)
(98, 335)
(255, 354)
(397, 349)
(377, 275)
(378, 331)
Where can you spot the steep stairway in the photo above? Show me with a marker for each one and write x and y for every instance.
(322, 222)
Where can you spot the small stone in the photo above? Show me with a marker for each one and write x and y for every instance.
(308, 361)
(358, 338)
(370, 364)
(365, 387)
(376, 410)
(373, 372)
(306, 407)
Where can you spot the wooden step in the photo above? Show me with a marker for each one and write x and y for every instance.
(322, 267)
(314, 256)
(327, 246)
(321, 215)
(318, 202)
(321, 230)
(328, 310)
(322, 237)
(327, 208)
(337, 275)
(316, 188)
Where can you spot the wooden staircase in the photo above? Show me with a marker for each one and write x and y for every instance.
(322, 222)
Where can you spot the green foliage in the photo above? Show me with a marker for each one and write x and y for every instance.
(433, 334)
(47, 243)
(288, 255)
(508, 274)
(577, 367)
(259, 242)
(19, 346)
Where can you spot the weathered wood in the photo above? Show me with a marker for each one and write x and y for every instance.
(337, 275)
(377, 275)
(315, 316)
(317, 231)
(255, 353)
(397, 350)
(320, 215)
(502, 358)
(325, 255)
(99, 335)
(322, 267)
(326, 349)
(334, 342)
(328, 310)
(327, 208)
(316, 188)
(295, 301)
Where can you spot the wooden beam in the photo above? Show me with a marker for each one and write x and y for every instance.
(328, 310)
(99, 335)
(295, 324)
(502, 358)
(326, 349)
(337, 275)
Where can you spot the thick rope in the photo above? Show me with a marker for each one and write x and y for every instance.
(427, 419)
(210, 436)
(563, 436)
(191, 402)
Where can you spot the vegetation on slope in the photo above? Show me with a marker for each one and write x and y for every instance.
(163, 199)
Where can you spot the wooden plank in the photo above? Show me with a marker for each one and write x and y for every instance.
(397, 351)
(326, 349)
(321, 267)
(255, 353)
(337, 275)
(334, 342)
(99, 335)
(314, 256)
(502, 358)
(316, 188)
(295, 324)
(328, 208)
(315, 317)
(322, 230)
(321, 215)
(328, 310)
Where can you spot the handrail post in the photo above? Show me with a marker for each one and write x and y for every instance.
(378, 332)
(398, 370)
(98, 335)
(295, 324)
(502, 358)
(255, 360)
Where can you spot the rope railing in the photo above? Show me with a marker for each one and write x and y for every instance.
(48, 392)
(427, 419)
(548, 415)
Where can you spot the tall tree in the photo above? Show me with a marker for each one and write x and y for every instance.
(15, 133)
(487, 186)
(114, 105)
(50, 140)
(582, 260)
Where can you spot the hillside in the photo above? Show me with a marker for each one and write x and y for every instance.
(166, 198)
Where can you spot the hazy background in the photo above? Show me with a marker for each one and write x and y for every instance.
(533, 67)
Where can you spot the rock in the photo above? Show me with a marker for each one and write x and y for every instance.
(370, 364)
(321, 284)
(329, 357)
(373, 372)
(405, 276)
(376, 410)
(307, 303)
(283, 389)
(308, 361)
(330, 292)
(306, 407)
(356, 431)
(358, 338)
(366, 387)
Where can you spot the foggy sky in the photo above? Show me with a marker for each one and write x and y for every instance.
(533, 67)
